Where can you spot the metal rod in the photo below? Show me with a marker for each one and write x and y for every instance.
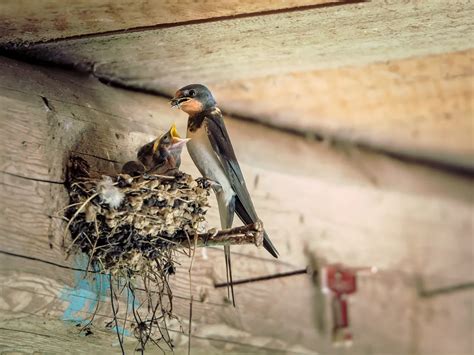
(263, 278)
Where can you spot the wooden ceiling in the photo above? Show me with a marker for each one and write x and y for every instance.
(395, 76)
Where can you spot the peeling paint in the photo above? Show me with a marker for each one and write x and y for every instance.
(87, 292)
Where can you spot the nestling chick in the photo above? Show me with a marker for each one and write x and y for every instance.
(133, 168)
(161, 156)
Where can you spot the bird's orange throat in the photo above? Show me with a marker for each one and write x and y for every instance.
(191, 107)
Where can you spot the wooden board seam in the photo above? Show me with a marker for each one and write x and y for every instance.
(189, 22)
(33, 179)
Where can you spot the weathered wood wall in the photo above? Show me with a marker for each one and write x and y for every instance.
(345, 204)
(391, 76)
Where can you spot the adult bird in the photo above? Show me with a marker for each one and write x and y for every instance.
(212, 152)
(161, 156)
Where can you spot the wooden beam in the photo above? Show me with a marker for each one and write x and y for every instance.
(313, 71)
(45, 20)
(244, 48)
(419, 107)
(345, 204)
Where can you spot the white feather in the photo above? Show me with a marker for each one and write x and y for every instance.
(109, 193)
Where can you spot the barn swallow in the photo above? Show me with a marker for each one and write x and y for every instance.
(161, 156)
(212, 152)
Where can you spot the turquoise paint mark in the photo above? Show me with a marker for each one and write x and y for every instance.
(120, 330)
(82, 299)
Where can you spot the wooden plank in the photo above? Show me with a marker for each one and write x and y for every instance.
(28, 211)
(281, 69)
(419, 107)
(418, 328)
(244, 48)
(345, 204)
(52, 19)
(23, 294)
(29, 333)
(407, 330)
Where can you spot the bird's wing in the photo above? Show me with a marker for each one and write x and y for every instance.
(145, 154)
(220, 141)
(222, 146)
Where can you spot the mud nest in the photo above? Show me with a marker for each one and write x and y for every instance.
(127, 225)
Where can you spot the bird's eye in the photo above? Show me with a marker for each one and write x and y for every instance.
(192, 92)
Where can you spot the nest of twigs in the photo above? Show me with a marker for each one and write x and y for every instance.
(132, 228)
(127, 225)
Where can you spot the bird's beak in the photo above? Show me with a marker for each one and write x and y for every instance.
(178, 99)
(176, 141)
(156, 144)
(174, 132)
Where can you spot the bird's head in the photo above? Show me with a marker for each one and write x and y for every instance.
(193, 99)
(170, 141)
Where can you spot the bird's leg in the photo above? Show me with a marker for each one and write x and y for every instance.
(216, 187)
(228, 269)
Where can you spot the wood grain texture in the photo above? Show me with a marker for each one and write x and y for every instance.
(419, 107)
(345, 204)
(23, 294)
(30, 334)
(244, 48)
(52, 19)
(312, 71)
(220, 327)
